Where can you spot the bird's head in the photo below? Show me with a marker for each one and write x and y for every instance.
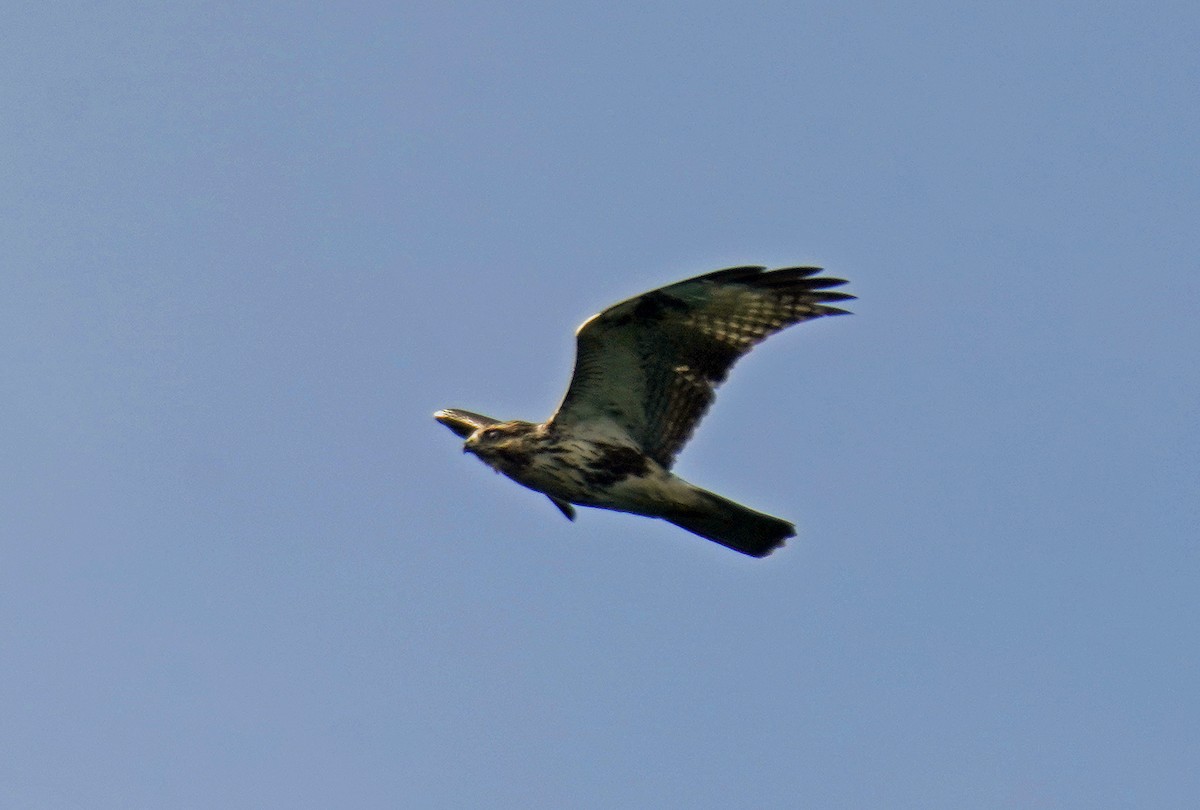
(485, 437)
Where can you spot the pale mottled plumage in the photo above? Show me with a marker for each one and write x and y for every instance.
(646, 371)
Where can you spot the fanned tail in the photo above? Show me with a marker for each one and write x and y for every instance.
(732, 525)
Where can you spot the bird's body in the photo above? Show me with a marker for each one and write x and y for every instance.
(645, 373)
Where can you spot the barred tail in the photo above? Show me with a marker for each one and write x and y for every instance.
(732, 525)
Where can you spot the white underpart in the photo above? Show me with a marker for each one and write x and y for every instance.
(564, 475)
(648, 495)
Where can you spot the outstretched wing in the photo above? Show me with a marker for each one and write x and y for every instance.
(464, 423)
(651, 364)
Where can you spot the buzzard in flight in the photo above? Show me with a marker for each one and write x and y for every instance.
(646, 371)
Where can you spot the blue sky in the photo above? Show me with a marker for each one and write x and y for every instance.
(248, 249)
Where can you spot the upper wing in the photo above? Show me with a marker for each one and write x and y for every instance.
(651, 364)
(464, 423)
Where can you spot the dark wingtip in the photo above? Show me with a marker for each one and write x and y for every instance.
(795, 279)
(828, 281)
(826, 296)
(740, 273)
(795, 272)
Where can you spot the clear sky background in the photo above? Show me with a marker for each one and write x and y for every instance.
(246, 250)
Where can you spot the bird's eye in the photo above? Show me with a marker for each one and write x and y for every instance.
(491, 434)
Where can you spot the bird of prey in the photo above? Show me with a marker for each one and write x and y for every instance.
(646, 371)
